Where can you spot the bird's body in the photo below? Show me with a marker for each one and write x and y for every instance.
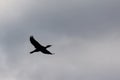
(39, 47)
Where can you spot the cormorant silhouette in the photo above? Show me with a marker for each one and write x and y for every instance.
(39, 47)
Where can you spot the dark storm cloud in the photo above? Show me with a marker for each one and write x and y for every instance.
(73, 19)
(60, 18)
(90, 19)
(72, 26)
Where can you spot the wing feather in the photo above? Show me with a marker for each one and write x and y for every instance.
(34, 42)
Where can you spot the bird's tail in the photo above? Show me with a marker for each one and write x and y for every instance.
(53, 53)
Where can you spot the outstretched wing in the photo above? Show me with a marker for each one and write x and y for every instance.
(34, 42)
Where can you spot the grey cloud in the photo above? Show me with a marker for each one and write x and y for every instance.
(85, 35)
(71, 19)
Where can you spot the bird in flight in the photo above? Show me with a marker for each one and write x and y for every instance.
(39, 47)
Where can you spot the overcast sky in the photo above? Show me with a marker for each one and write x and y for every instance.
(84, 34)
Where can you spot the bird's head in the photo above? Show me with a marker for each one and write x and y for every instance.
(48, 46)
